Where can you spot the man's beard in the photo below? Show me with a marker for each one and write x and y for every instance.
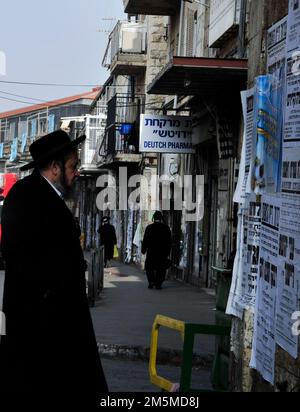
(65, 190)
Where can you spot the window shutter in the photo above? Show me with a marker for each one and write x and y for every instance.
(190, 29)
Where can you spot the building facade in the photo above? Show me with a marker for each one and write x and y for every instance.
(19, 128)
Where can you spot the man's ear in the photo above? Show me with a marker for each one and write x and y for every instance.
(55, 168)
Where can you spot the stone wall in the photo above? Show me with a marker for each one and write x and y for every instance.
(262, 15)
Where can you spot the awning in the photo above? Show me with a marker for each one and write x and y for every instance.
(152, 7)
(200, 76)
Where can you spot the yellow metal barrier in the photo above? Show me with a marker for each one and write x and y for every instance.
(170, 324)
(188, 332)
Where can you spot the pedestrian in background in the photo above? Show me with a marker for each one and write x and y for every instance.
(108, 239)
(157, 244)
(50, 347)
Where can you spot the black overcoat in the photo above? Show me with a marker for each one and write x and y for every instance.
(108, 239)
(157, 244)
(50, 345)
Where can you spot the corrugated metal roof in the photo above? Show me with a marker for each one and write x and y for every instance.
(87, 95)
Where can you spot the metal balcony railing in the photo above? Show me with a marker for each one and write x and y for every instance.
(95, 132)
(122, 110)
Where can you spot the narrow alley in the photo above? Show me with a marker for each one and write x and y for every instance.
(123, 318)
(150, 196)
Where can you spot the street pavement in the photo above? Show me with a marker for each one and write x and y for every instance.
(125, 312)
(133, 376)
(123, 317)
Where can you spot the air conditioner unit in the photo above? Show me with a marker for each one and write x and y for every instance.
(133, 38)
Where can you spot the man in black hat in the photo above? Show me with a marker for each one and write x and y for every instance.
(157, 244)
(108, 238)
(50, 346)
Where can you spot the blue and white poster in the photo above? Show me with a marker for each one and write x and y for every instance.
(268, 121)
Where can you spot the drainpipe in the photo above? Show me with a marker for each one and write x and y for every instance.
(179, 40)
(242, 28)
(180, 26)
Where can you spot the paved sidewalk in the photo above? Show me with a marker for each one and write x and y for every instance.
(125, 312)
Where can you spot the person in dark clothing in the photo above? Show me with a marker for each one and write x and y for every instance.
(108, 239)
(50, 347)
(157, 244)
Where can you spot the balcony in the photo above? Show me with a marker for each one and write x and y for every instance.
(94, 129)
(122, 130)
(224, 21)
(152, 7)
(126, 50)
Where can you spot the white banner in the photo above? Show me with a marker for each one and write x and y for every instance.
(244, 182)
(235, 294)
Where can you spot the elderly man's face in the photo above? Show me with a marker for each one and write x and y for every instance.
(71, 170)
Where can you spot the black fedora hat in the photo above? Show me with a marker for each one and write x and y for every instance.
(48, 146)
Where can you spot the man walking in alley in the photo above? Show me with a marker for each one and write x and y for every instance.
(50, 346)
(108, 239)
(157, 244)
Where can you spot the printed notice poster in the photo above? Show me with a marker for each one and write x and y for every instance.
(264, 345)
(290, 180)
(276, 57)
(235, 294)
(251, 239)
(244, 182)
(292, 101)
(289, 273)
(290, 214)
(293, 35)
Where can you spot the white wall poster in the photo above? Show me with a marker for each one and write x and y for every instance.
(244, 182)
(292, 102)
(276, 52)
(264, 345)
(235, 294)
(289, 273)
(251, 247)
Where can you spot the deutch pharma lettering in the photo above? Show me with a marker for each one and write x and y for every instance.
(169, 145)
(155, 145)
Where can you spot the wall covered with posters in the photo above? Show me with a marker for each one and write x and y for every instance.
(265, 291)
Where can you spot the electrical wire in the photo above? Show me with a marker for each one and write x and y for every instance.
(24, 97)
(50, 84)
(15, 100)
